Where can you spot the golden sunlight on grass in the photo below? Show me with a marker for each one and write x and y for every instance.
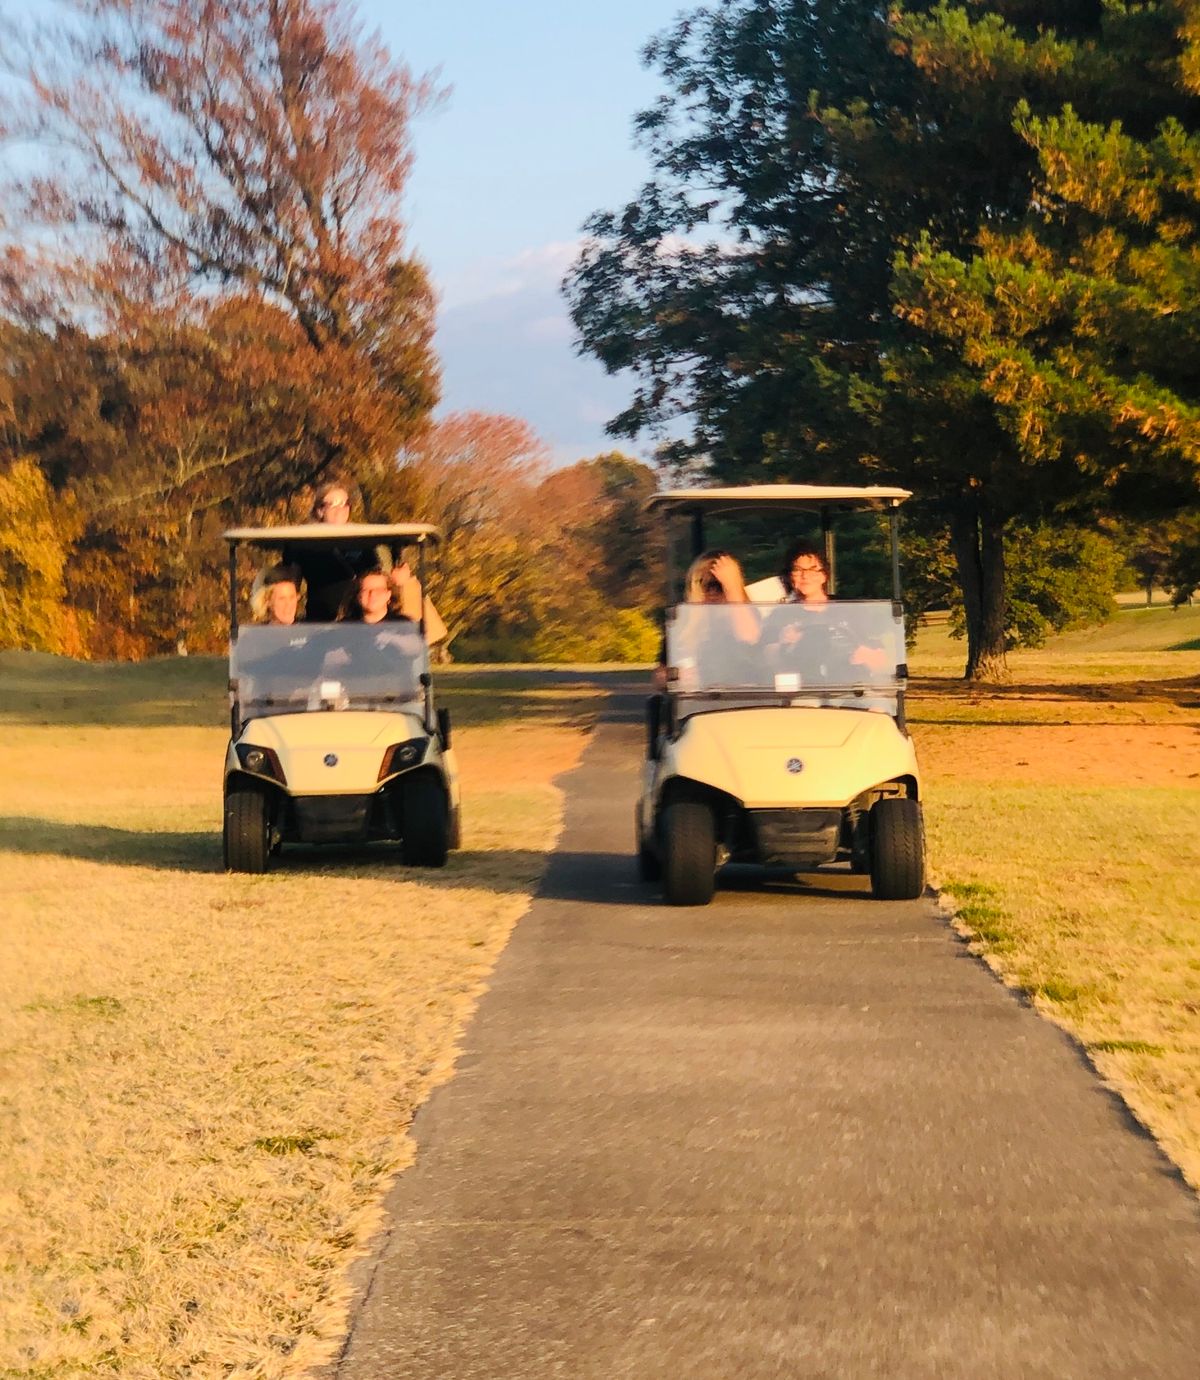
(1061, 812)
(207, 1079)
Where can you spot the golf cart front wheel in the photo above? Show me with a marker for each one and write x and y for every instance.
(426, 838)
(689, 863)
(247, 831)
(648, 865)
(897, 850)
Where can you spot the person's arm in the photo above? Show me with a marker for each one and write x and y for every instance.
(412, 603)
(728, 575)
(408, 590)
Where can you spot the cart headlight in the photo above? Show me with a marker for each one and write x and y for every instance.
(401, 756)
(261, 761)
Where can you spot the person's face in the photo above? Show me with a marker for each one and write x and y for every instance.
(373, 596)
(808, 578)
(282, 599)
(335, 506)
(711, 591)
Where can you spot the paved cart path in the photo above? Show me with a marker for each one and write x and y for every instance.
(791, 1134)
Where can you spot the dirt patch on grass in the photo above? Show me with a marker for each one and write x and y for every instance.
(1066, 755)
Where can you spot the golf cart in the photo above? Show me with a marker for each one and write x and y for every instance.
(334, 734)
(780, 737)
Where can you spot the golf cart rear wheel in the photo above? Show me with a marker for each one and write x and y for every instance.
(689, 863)
(247, 831)
(897, 850)
(426, 822)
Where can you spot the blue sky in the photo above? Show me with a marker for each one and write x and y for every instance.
(535, 135)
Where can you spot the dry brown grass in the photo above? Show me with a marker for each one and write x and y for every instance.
(207, 1079)
(1062, 823)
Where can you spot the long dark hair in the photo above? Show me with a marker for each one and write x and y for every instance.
(793, 554)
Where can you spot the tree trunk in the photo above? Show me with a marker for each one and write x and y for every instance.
(977, 540)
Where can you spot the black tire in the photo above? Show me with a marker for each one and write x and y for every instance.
(897, 850)
(426, 821)
(648, 865)
(689, 861)
(247, 830)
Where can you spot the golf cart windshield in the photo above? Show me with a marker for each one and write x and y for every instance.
(754, 653)
(322, 666)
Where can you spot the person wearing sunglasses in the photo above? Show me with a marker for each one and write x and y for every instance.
(331, 574)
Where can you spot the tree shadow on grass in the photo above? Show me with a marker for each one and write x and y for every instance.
(167, 852)
(582, 877)
(1183, 692)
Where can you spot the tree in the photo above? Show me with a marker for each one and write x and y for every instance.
(226, 287)
(33, 553)
(827, 152)
(599, 508)
(474, 475)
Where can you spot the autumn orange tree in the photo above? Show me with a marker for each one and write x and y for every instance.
(227, 274)
(538, 564)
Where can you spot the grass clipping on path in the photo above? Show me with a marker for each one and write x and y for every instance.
(207, 1079)
(1062, 820)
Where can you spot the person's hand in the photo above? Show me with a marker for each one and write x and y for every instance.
(400, 576)
(727, 574)
(872, 658)
(790, 634)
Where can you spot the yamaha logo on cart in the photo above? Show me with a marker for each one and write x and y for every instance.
(331, 759)
(795, 766)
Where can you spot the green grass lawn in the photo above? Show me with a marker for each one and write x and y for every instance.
(1135, 642)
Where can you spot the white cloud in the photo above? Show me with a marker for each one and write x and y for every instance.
(484, 279)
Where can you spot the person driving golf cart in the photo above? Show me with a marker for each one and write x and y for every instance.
(780, 738)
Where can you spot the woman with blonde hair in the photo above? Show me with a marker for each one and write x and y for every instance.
(276, 596)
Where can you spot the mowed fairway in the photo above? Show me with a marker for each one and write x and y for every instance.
(1063, 815)
(206, 1080)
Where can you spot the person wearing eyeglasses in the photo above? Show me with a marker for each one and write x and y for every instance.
(797, 578)
(813, 639)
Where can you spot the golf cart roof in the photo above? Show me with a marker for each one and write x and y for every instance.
(815, 496)
(334, 534)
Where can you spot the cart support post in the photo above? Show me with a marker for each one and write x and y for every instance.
(426, 678)
(894, 527)
(233, 602)
(235, 718)
(829, 548)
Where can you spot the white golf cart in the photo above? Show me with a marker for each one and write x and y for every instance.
(335, 738)
(783, 745)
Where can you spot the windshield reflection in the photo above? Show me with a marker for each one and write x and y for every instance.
(310, 666)
(836, 646)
